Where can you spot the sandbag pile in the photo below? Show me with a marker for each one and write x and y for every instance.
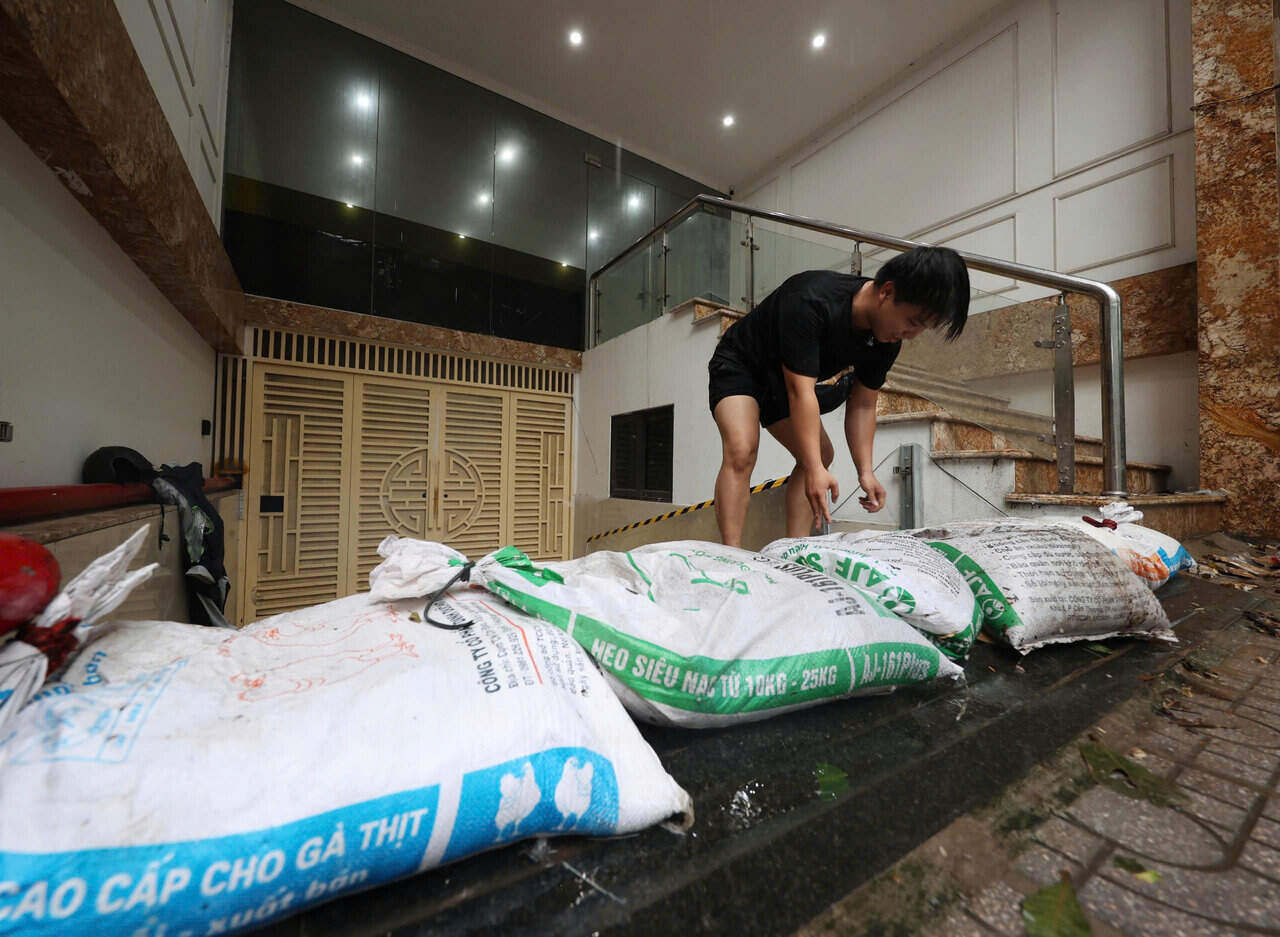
(210, 781)
(694, 634)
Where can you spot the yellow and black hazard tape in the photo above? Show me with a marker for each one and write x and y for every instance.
(763, 486)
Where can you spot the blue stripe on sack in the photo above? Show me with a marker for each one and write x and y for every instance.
(219, 884)
(1181, 559)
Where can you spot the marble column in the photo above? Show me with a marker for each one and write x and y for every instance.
(1238, 257)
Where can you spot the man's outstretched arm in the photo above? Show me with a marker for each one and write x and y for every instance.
(860, 432)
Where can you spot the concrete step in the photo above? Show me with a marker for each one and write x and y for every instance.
(1033, 473)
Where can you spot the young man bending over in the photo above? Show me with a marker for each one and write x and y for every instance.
(766, 369)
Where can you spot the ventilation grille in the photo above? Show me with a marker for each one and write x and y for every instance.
(229, 397)
(346, 354)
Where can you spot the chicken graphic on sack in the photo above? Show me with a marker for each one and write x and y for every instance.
(573, 793)
(520, 796)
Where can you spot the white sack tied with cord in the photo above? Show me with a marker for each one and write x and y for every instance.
(904, 574)
(190, 780)
(1152, 556)
(690, 633)
(1046, 583)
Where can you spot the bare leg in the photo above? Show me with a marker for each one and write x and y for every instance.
(799, 514)
(738, 419)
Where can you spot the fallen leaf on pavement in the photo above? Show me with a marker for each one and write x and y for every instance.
(1055, 912)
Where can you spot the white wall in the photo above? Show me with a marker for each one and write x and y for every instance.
(185, 48)
(1161, 409)
(1057, 134)
(91, 353)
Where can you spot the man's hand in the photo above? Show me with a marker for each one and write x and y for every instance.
(874, 498)
(816, 484)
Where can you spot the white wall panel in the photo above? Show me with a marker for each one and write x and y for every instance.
(92, 355)
(1126, 215)
(184, 47)
(996, 238)
(1111, 78)
(931, 154)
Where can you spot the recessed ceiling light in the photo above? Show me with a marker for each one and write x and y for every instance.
(364, 101)
(462, 237)
(592, 234)
(575, 37)
(633, 202)
(357, 159)
(348, 204)
(482, 198)
(727, 120)
(564, 263)
(507, 154)
(819, 40)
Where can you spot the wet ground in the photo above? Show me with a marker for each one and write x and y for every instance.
(798, 813)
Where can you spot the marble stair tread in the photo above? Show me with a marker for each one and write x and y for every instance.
(1002, 420)
(1137, 500)
(908, 374)
(1014, 453)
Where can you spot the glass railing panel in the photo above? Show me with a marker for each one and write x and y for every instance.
(698, 259)
(783, 252)
(627, 293)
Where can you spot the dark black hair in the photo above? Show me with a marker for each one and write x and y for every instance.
(935, 279)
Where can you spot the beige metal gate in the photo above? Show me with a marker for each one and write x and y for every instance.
(431, 445)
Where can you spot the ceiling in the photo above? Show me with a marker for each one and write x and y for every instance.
(658, 76)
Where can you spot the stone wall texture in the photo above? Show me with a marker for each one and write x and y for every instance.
(1238, 252)
(1158, 309)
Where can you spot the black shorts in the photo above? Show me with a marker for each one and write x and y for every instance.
(729, 377)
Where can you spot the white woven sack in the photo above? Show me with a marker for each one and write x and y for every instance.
(181, 779)
(695, 634)
(904, 574)
(1048, 583)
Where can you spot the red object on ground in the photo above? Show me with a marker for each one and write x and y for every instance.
(18, 505)
(29, 578)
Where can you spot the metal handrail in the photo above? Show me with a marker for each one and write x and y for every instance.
(1112, 339)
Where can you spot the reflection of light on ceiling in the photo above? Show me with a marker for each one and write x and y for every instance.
(819, 40)
(633, 202)
(727, 120)
(564, 263)
(357, 159)
(592, 234)
(364, 101)
(507, 154)
(482, 198)
(348, 204)
(575, 37)
(462, 237)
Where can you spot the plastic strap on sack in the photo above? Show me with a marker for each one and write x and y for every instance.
(462, 575)
(1094, 522)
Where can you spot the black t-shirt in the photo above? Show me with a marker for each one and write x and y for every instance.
(807, 325)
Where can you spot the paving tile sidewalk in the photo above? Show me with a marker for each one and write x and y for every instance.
(1207, 864)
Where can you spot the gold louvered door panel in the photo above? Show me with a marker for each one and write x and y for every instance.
(471, 513)
(393, 466)
(296, 517)
(350, 441)
(540, 476)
